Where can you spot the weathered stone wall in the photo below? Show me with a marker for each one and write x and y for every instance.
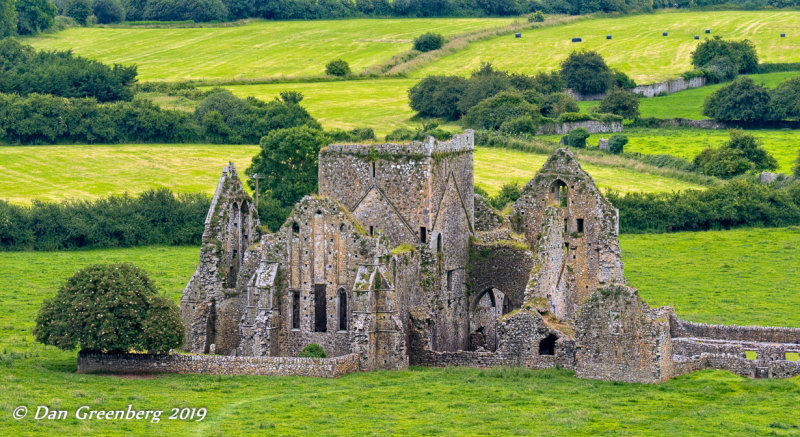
(572, 230)
(230, 227)
(90, 362)
(668, 86)
(593, 126)
(486, 218)
(620, 338)
(682, 328)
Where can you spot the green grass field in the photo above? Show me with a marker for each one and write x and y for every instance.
(686, 143)
(637, 47)
(744, 276)
(689, 103)
(85, 172)
(260, 49)
(746, 272)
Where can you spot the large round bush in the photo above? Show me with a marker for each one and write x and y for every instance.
(109, 307)
(428, 41)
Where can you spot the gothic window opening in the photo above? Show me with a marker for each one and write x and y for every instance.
(548, 345)
(342, 310)
(371, 231)
(559, 192)
(580, 225)
(295, 228)
(449, 280)
(439, 243)
(320, 309)
(423, 234)
(296, 310)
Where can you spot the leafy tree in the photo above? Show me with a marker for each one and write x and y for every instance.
(509, 192)
(78, 10)
(108, 11)
(438, 96)
(556, 104)
(743, 153)
(741, 100)
(785, 99)
(577, 138)
(797, 165)
(34, 16)
(536, 17)
(622, 80)
(8, 18)
(741, 53)
(289, 161)
(548, 82)
(428, 41)
(291, 97)
(337, 67)
(494, 111)
(483, 83)
(312, 350)
(620, 102)
(721, 69)
(586, 72)
(520, 125)
(616, 143)
(111, 307)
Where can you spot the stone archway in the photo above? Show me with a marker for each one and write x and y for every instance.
(485, 310)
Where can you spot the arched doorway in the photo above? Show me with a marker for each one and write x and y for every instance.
(485, 311)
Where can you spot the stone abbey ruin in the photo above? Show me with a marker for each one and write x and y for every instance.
(396, 262)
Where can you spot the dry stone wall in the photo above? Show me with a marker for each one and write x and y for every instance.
(95, 362)
(593, 126)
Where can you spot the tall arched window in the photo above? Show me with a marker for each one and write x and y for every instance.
(439, 243)
(342, 310)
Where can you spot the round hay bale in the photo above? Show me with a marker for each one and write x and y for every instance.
(708, 30)
(697, 37)
(576, 40)
(664, 33)
(608, 36)
(518, 35)
(783, 35)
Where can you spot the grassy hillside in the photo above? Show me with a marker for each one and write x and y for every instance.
(63, 172)
(637, 47)
(686, 143)
(744, 276)
(258, 49)
(732, 277)
(689, 103)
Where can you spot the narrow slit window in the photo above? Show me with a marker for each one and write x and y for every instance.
(373, 169)
(580, 225)
(342, 311)
(371, 231)
(439, 243)
(320, 309)
(295, 310)
(423, 234)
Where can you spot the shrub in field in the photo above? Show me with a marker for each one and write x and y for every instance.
(586, 72)
(494, 111)
(108, 11)
(797, 165)
(8, 18)
(509, 192)
(741, 100)
(24, 70)
(437, 96)
(337, 67)
(419, 134)
(555, 104)
(520, 125)
(721, 69)
(428, 41)
(616, 143)
(312, 350)
(743, 153)
(620, 102)
(785, 99)
(536, 17)
(112, 308)
(622, 80)
(546, 82)
(225, 118)
(483, 83)
(741, 53)
(79, 10)
(577, 137)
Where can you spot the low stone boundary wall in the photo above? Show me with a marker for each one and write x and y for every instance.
(593, 126)
(682, 328)
(482, 359)
(89, 362)
(668, 86)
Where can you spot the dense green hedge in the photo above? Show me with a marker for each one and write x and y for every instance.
(24, 70)
(152, 217)
(736, 204)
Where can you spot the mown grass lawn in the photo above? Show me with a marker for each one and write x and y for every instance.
(637, 47)
(258, 49)
(686, 143)
(89, 171)
(743, 276)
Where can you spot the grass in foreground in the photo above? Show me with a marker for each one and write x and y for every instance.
(743, 277)
(689, 103)
(259, 49)
(686, 143)
(85, 172)
(750, 283)
(637, 47)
